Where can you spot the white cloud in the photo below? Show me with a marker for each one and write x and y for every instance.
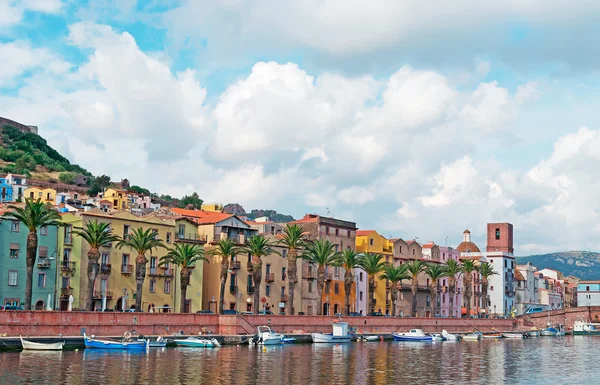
(18, 57)
(11, 11)
(356, 195)
(45, 6)
(451, 183)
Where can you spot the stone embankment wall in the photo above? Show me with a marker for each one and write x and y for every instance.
(52, 323)
(566, 317)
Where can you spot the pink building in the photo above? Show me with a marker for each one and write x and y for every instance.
(446, 253)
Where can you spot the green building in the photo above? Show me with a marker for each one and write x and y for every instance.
(13, 267)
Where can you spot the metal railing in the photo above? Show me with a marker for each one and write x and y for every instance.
(309, 273)
(43, 263)
(270, 277)
(235, 265)
(105, 268)
(99, 294)
(65, 291)
(67, 266)
(284, 298)
(126, 269)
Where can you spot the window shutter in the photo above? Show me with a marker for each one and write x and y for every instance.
(14, 246)
(43, 251)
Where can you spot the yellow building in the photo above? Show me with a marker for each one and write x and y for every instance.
(116, 281)
(47, 195)
(118, 198)
(212, 207)
(69, 254)
(370, 241)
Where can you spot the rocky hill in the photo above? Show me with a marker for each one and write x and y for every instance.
(237, 209)
(582, 264)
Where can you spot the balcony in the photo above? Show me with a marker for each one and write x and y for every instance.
(309, 274)
(98, 294)
(126, 269)
(43, 263)
(160, 272)
(250, 289)
(249, 266)
(65, 292)
(444, 289)
(67, 266)
(105, 268)
(233, 289)
(388, 249)
(270, 277)
(284, 298)
(235, 265)
(192, 238)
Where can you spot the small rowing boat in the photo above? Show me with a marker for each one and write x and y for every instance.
(28, 345)
(514, 336)
(96, 343)
(193, 342)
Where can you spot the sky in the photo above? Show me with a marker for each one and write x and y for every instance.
(416, 119)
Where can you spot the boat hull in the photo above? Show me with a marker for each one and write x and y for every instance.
(586, 333)
(27, 345)
(514, 336)
(398, 337)
(330, 339)
(534, 334)
(471, 337)
(491, 337)
(100, 344)
(547, 333)
(197, 343)
(272, 341)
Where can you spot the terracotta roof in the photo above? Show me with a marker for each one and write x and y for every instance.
(306, 220)
(519, 276)
(466, 231)
(202, 217)
(429, 245)
(393, 240)
(464, 247)
(362, 233)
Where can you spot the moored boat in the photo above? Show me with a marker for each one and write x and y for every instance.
(266, 337)
(288, 340)
(159, 342)
(437, 337)
(549, 332)
(28, 345)
(472, 337)
(412, 335)
(515, 336)
(534, 332)
(96, 343)
(339, 334)
(450, 336)
(585, 328)
(369, 338)
(491, 336)
(193, 342)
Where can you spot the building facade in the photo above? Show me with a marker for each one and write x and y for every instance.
(370, 241)
(588, 293)
(46, 195)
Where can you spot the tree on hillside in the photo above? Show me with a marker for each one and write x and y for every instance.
(67, 177)
(193, 200)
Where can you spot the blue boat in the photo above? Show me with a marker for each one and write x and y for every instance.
(412, 335)
(94, 343)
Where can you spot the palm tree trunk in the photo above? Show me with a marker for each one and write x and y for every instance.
(184, 281)
(93, 256)
(394, 298)
(140, 275)
(371, 294)
(452, 290)
(32, 243)
(348, 280)
(320, 285)
(413, 289)
(257, 278)
(224, 268)
(467, 296)
(292, 272)
(484, 289)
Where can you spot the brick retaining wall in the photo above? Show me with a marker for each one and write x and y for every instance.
(566, 316)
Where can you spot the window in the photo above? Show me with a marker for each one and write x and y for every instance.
(327, 287)
(41, 280)
(336, 271)
(349, 233)
(12, 278)
(443, 299)
(284, 253)
(282, 292)
(268, 290)
(249, 282)
(43, 251)
(337, 232)
(66, 254)
(400, 249)
(181, 231)
(587, 288)
(15, 226)
(360, 276)
(44, 230)
(153, 262)
(66, 282)
(168, 239)
(167, 286)
(154, 233)
(336, 288)
(491, 288)
(443, 282)
(125, 259)
(105, 259)
(326, 230)
(153, 286)
(14, 250)
(336, 248)
(497, 234)
(505, 263)
(360, 296)
(371, 241)
(310, 286)
(413, 251)
(268, 268)
(283, 273)
(309, 310)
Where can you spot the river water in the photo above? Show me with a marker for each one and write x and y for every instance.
(566, 360)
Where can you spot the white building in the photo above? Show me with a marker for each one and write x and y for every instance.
(588, 293)
(19, 183)
(527, 288)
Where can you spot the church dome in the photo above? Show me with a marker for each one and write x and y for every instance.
(466, 246)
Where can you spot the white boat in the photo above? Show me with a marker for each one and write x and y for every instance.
(491, 336)
(412, 335)
(533, 333)
(472, 337)
(158, 343)
(585, 328)
(450, 336)
(339, 335)
(193, 342)
(369, 338)
(437, 337)
(517, 336)
(266, 336)
(28, 345)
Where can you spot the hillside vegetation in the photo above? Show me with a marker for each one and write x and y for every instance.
(582, 264)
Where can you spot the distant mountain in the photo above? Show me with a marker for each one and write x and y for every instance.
(237, 209)
(582, 264)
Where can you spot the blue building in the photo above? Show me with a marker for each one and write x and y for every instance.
(588, 293)
(6, 191)
(13, 267)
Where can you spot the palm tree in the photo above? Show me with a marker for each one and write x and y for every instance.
(372, 264)
(452, 271)
(394, 275)
(467, 268)
(226, 249)
(258, 246)
(414, 268)
(185, 256)
(141, 241)
(294, 239)
(434, 271)
(322, 253)
(96, 234)
(348, 259)
(34, 215)
(485, 270)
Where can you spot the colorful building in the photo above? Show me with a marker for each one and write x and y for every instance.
(19, 185)
(588, 293)
(370, 241)
(13, 266)
(118, 198)
(70, 277)
(343, 235)
(47, 195)
(6, 191)
(444, 296)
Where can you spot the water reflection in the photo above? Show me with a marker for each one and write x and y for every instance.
(508, 361)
